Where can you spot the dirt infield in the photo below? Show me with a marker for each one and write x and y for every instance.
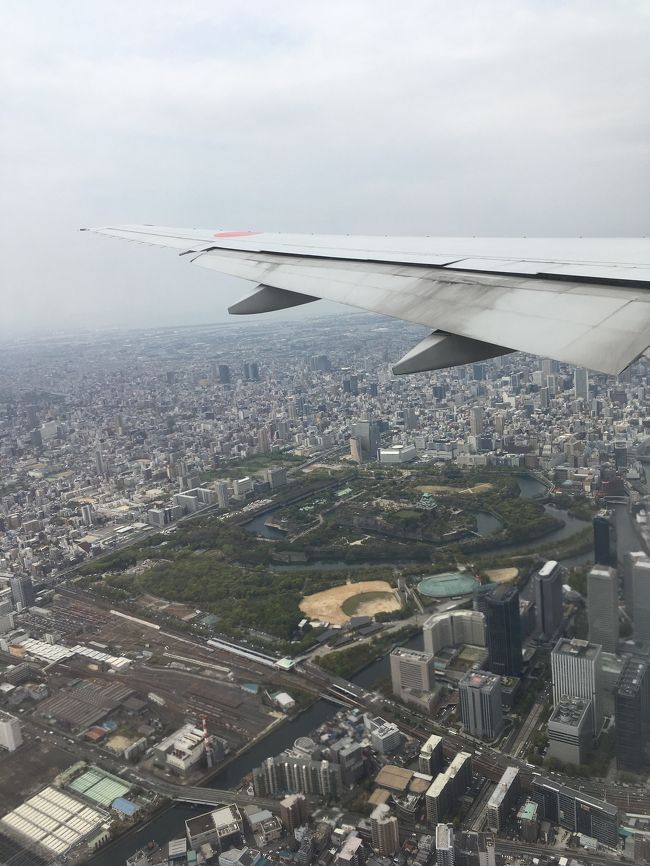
(502, 575)
(483, 487)
(328, 605)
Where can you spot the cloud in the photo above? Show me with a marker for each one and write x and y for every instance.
(415, 118)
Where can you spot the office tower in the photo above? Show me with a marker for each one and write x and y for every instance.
(602, 607)
(632, 709)
(384, 831)
(224, 374)
(444, 845)
(480, 704)
(22, 591)
(10, 734)
(543, 398)
(476, 420)
(576, 670)
(502, 799)
(581, 383)
(602, 545)
(504, 631)
(385, 737)
(368, 433)
(100, 466)
(276, 477)
(263, 441)
(641, 599)
(499, 424)
(430, 757)
(252, 371)
(223, 495)
(570, 730)
(548, 599)
(356, 449)
(411, 670)
(620, 455)
(294, 811)
(629, 561)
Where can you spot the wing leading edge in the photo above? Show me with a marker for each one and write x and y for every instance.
(582, 301)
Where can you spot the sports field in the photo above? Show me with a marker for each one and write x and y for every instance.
(483, 487)
(337, 605)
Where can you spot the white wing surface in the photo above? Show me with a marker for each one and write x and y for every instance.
(585, 301)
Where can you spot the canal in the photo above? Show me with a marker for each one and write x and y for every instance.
(170, 823)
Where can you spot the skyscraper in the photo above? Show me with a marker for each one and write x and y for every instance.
(602, 545)
(480, 704)
(22, 590)
(632, 708)
(368, 433)
(476, 421)
(581, 383)
(548, 599)
(641, 599)
(576, 670)
(602, 607)
(224, 374)
(430, 757)
(504, 631)
(629, 561)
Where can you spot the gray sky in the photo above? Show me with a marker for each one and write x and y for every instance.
(418, 117)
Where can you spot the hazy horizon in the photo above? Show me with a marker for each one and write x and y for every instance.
(517, 119)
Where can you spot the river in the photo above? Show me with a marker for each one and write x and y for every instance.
(170, 823)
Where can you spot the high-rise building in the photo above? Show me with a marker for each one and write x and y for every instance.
(10, 734)
(504, 631)
(576, 670)
(575, 811)
(411, 671)
(224, 374)
(570, 730)
(641, 599)
(629, 561)
(430, 757)
(632, 710)
(22, 591)
(384, 831)
(367, 432)
(252, 371)
(294, 811)
(223, 494)
(503, 799)
(480, 704)
(602, 538)
(602, 607)
(444, 845)
(548, 599)
(356, 449)
(581, 383)
(447, 787)
(476, 420)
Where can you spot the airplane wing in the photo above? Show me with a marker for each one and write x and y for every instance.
(584, 301)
